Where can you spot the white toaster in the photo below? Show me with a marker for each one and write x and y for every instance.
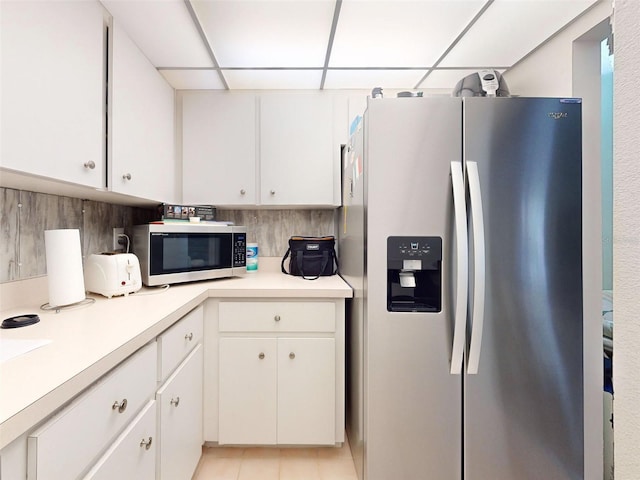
(111, 274)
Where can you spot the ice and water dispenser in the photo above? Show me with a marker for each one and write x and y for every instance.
(414, 274)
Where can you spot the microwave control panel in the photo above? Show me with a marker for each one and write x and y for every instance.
(239, 249)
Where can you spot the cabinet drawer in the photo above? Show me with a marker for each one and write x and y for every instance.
(176, 343)
(277, 317)
(133, 454)
(95, 418)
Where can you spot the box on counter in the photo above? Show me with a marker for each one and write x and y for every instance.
(184, 212)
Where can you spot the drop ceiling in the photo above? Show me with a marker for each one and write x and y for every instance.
(343, 44)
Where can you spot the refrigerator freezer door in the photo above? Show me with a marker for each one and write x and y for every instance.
(413, 410)
(524, 408)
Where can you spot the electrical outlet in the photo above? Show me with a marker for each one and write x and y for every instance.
(116, 232)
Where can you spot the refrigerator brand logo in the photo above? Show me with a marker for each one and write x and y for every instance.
(558, 115)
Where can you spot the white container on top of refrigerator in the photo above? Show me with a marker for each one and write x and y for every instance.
(477, 201)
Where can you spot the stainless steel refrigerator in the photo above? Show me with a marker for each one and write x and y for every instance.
(461, 235)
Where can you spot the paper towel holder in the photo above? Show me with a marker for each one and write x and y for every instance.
(64, 269)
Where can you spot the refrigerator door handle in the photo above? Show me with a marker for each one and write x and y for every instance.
(477, 221)
(462, 268)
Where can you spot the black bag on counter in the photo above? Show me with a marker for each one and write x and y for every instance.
(311, 257)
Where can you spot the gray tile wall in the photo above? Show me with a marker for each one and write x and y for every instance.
(271, 229)
(24, 216)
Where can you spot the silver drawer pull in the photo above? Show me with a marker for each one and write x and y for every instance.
(146, 443)
(277, 318)
(292, 355)
(175, 401)
(272, 192)
(121, 406)
(90, 165)
(261, 356)
(189, 336)
(243, 191)
(126, 176)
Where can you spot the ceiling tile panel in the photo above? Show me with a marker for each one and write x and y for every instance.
(273, 79)
(193, 79)
(369, 79)
(267, 33)
(398, 33)
(163, 30)
(510, 29)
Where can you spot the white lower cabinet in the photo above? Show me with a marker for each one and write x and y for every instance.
(277, 391)
(133, 454)
(142, 420)
(68, 444)
(180, 419)
(280, 373)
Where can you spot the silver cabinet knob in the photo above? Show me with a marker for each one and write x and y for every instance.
(261, 355)
(277, 318)
(126, 176)
(90, 164)
(243, 191)
(146, 443)
(292, 355)
(189, 336)
(175, 401)
(120, 406)
(273, 192)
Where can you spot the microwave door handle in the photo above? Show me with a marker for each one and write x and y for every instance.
(479, 267)
(462, 268)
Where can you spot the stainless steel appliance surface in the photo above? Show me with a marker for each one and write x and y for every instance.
(461, 235)
(186, 252)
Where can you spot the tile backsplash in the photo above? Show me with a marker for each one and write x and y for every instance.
(24, 216)
(271, 229)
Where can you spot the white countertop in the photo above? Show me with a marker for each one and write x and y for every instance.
(86, 342)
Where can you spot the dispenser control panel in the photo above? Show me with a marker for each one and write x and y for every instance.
(414, 274)
(414, 253)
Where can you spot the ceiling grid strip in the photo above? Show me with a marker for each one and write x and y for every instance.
(205, 41)
(334, 26)
(455, 42)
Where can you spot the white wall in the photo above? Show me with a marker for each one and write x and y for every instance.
(626, 239)
(548, 72)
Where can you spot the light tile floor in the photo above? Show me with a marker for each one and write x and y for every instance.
(234, 463)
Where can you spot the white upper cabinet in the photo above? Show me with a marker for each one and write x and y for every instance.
(268, 149)
(297, 149)
(219, 148)
(52, 89)
(141, 127)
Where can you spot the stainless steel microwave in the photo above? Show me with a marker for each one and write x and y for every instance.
(176, 253)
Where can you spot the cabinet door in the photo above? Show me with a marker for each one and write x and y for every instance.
(180, 415)
(52, 89)
(247, 391)
(219, 148)
(306, 391)
(133, 454)
(142, 137)
(297, 150)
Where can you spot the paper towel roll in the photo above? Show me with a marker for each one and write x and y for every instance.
(64, 266)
